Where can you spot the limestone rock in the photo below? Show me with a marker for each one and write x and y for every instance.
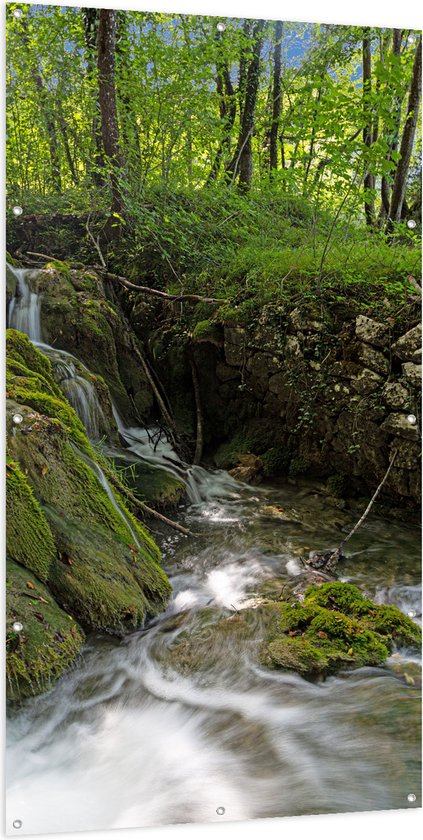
(249, 468)
(398, 425)
(413, 373)
(305, 321)
(373, 359)
(395, 395)
(408, 454)
(367, 382)
(235, 343)
(262, 365)
(293, 348)
(369, 331)
(345, 369)
(408, 346)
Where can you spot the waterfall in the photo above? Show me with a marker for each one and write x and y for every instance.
(202, 486)
(78, 390)
(25, 315)
(25, 307)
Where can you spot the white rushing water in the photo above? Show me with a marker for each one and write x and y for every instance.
(128, 739)
(25, 315)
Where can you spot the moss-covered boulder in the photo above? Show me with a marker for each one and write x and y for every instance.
(48, 642)
(65, 523)
(335, 626)
(79, 315)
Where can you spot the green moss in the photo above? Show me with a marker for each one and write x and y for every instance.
(275, 461)
(29, 539)
(337, 486)
(343, 628)
(106, 565)
(294, 654)
(249, 439)
(207, 331)
(49, 641)
(61, 267)
(298, 466)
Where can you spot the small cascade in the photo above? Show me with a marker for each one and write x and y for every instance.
(25, 307)
(78, 390)
(203, 486)
(25, 315)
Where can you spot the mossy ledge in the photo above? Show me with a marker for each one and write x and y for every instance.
(335, 627)
(98, 563)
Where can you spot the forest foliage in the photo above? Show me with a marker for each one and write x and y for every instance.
(222, 155)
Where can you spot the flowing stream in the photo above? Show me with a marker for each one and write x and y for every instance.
(133, 737)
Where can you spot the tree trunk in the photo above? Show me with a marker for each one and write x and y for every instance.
(106, 50)
(90, 18)
(227, 108)
(369, 180)
(241, 164)
(129, 128)
(385, 189)
(276, 96)
(406, 148)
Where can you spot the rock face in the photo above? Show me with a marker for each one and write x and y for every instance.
(309, 393)
(70, 539)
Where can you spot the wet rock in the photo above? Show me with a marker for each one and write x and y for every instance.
(250, 468)
(409, 345)
(235, 342)
(413, 373)
(367, 382)
(397, 424)
(335, 627)
(373, 359)
(395, 395)
(408, 454)
(370, 331)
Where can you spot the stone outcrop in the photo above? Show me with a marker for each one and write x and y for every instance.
(320, 397)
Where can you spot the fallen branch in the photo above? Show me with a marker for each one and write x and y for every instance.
(145, 508)
(156, 293)
(370, 505)
(165, 414)
(96, 242)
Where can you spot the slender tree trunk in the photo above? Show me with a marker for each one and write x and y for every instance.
(106, 51)
(406, 148)
(241, 164)
(90, 18)
(369, 180)
(385, 189)
(227, 108)
(129, 127)
(276, 97)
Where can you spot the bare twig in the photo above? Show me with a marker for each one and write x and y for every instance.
(145, 508)
(199, 439)
(372, 500)
(96, 243)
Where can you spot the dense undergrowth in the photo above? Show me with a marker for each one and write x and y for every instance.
(249, 250)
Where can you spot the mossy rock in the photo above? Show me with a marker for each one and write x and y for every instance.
(335, 626)
(29, 539)
(207, 331)
(78, 317)
(154, 485)
(105, 569)
(50, 639)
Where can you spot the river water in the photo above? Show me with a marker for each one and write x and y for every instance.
(134, 737)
